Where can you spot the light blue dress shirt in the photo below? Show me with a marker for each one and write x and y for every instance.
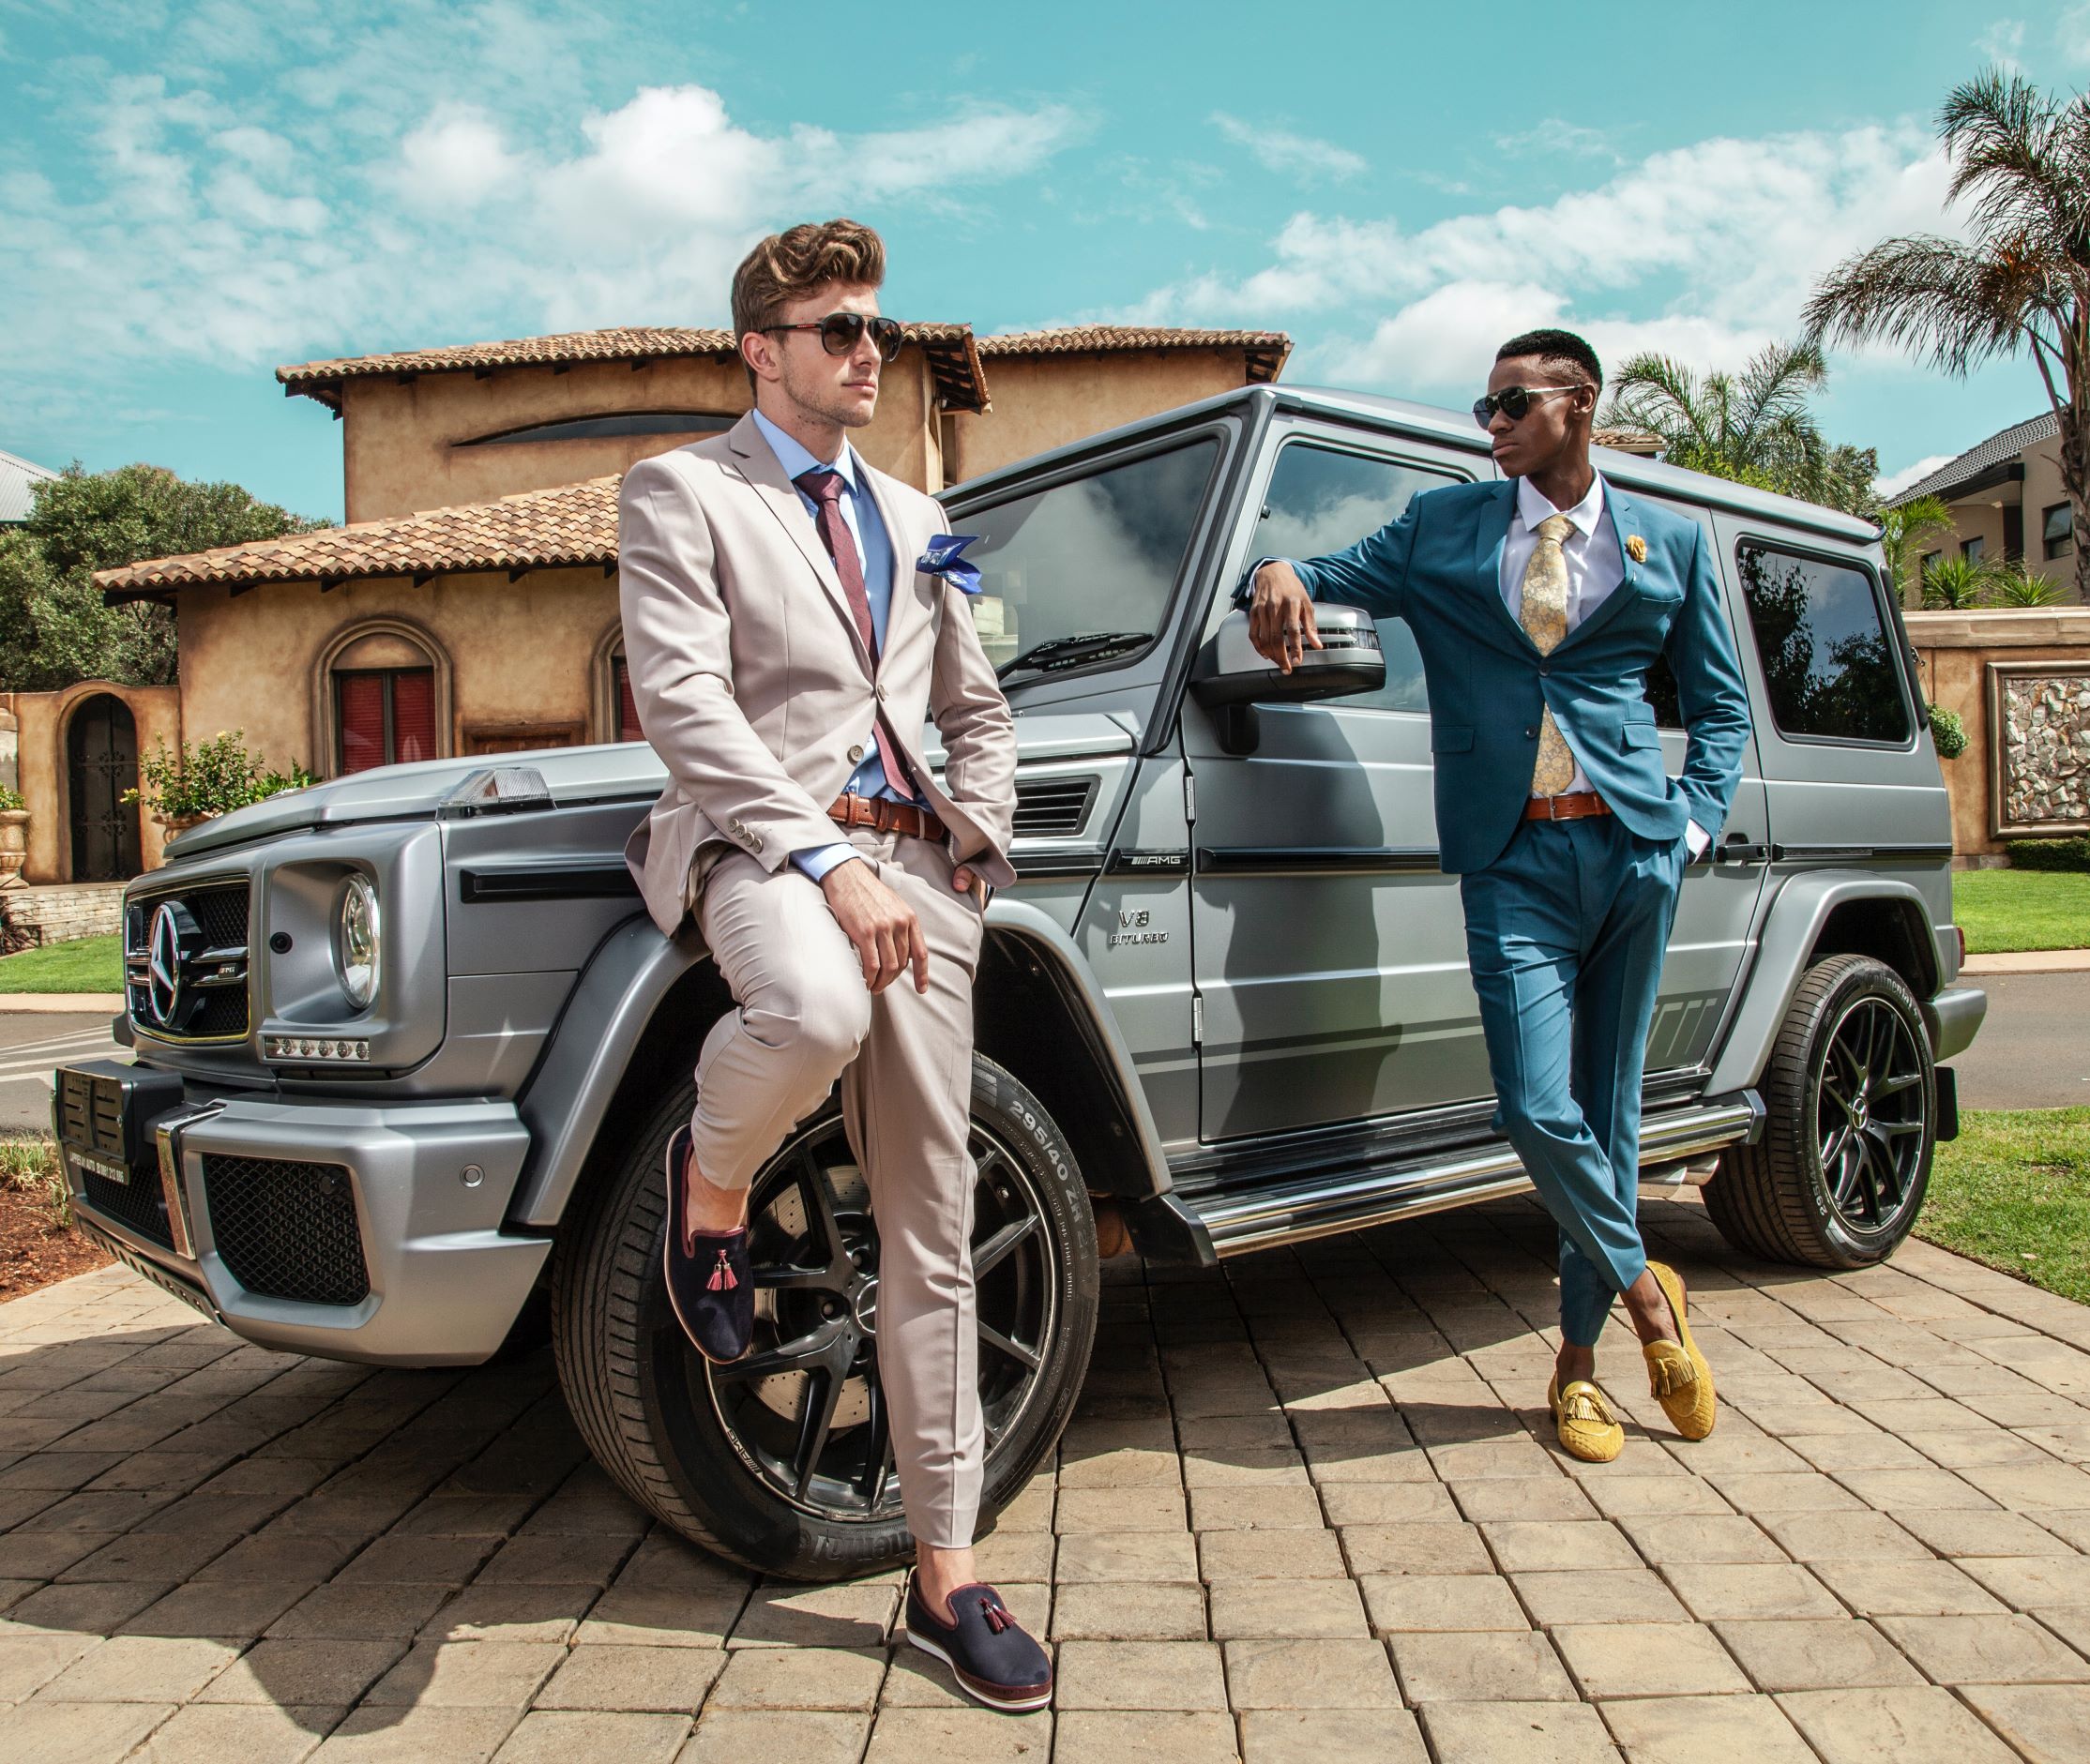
(874, 549)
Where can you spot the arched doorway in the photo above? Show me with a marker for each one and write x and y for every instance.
(101, 764)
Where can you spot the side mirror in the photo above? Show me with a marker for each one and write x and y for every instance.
(1230, 671)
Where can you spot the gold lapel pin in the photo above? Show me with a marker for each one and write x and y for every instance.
(1636, 549)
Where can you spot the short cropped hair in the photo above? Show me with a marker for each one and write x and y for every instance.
(1556, 346)
(789, 265)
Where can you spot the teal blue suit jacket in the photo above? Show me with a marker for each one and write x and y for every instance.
(1439, 567)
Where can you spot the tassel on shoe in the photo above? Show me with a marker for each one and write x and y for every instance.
(997, 1619)
(722, 1278)
(1668, 1369)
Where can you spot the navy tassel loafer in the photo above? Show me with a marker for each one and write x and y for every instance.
(710, 1280)
(993, 1657)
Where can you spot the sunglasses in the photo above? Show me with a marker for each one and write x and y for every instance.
(1513, 402)
(841, 332)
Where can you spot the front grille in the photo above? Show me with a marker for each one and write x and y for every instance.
(221, 915)
(1053, 808)
(287, 1231)
(138, 1203)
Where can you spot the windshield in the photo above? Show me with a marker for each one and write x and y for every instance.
(1092, 557)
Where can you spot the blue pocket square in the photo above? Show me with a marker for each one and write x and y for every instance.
(942, 559)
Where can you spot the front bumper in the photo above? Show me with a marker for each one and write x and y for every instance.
(431, 1183)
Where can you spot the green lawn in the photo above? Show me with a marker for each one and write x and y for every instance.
(2021, 908)
(86, 964)
(2013, 1191)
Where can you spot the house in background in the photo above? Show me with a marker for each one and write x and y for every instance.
(2007, 502)
(19, 479)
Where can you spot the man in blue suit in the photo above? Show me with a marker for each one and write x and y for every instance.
(1538, 603)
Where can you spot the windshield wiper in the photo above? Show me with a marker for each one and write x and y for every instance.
(1064, 652)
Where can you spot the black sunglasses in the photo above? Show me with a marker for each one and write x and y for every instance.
(839, 333)
(1513, 402)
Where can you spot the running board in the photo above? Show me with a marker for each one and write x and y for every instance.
(1350, 1198)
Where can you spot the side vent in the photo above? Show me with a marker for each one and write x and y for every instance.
(1053, 808)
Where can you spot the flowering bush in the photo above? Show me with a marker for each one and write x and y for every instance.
(10, 799)
(209, 778)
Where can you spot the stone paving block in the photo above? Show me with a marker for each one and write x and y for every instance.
(1331, 1736)
(1623, 1595)
(1126, 1555)
(417, 1735)
(1263, 1509)
(1022, 1555)
(1268, 1555)
(1812, 1537)
(1244, 1467)
(576, 1561)
(2049, 1724)
(1704, 1730)
(2011, 1649)
(1392, 1503)
(43, 1555)
(95, 1607)
(1425, 1547)
(1531, 1733)
(2027, 1582)
(1316, 1674)
(1140, 1675)
(1919, 1725)
(239, 1733)
(1806, 1492)
(140, 1669)
(1647, 1660)
(799, 1678)
(644, 1616)
(330, 1674)
(1119, 1509)
(841, 1616)
(635, 1680)
(1439, 1603)
(1670, 1497)
(77, 1733)
(560, 1737)
(1521, 1456)
(2035, 1487)
(1156, 1611)
(530, 1613)
(27, 1662)
(1286, 1609)
(466, 1674)
(1494, 1498)
(1542, 1547)
(1905, 1589)
(1961, 1533)
(1478, 1666)
(1750, 1590)
(278, 1559)
(959, 1736)
(1869, 1449)
(736, 1736)
(1152, 1737)
(355, 1613)
(1816, 1654)
(1700, 1538)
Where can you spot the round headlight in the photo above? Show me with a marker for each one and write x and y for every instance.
(356, 942)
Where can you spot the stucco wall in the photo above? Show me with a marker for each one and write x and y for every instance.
(507, 654)
(45, 718)
(399, 440)
(1048, 401)
(1955, 650)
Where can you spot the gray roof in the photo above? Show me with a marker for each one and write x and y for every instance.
(18, 479)
(1997, 450)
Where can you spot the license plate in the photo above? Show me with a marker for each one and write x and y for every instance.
(103, 1112)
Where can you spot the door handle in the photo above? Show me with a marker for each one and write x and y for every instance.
(1741, 851)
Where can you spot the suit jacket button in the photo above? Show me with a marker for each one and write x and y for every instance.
(1531, 734)
(856, 755)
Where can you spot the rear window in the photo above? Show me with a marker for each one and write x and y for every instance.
(1827, 650)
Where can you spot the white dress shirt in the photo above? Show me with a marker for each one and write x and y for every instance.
(1595, 569)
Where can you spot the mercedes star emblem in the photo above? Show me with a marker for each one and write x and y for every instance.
(163, 966)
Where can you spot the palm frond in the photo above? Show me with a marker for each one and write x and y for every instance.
(1936, 298)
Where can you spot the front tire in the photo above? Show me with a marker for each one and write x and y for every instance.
(782, 1462)
(1850, 1093)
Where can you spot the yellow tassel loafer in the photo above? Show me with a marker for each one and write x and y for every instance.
(1582, 1419)
(1677, 1375)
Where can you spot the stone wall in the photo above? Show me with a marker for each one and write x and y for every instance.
(56, 915)
(2041, 718)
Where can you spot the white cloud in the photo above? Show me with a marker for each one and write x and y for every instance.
(1557, 138)
(1297, 155)
(2003, 42)
(1705, 251)
(455, 158)
(2073, 34)
(1892, 484)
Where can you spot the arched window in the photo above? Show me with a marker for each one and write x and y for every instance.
(385, 698)
(616, 717)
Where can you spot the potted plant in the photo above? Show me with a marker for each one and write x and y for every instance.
(14, 836)
(189, 784)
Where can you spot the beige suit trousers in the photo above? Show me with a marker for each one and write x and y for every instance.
(905, 1058)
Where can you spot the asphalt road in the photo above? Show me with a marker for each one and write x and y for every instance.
(2033, 1053)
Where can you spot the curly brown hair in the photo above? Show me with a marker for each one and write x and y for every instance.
(791, 265)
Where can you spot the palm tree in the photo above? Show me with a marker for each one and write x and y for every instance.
(2016, 584)
(2022, 161)
(1754, 426)
(1904, 532)
(1956, 583)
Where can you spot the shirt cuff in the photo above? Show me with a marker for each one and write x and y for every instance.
(817, 860)
(1697, 839)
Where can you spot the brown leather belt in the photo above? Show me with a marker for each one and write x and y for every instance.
(1575, 805)
(884, 815)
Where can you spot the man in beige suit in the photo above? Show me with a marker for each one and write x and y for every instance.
(786, 653)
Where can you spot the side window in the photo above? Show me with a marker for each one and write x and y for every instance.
(1321, 500)
(1829, 657)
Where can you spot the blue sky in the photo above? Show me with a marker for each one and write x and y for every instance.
(192, 193)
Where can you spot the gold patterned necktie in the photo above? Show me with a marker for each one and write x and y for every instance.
(1544, 616)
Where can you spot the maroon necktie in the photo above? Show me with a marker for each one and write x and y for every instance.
(824, 486)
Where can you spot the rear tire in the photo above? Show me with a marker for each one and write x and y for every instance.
(1838, 1176)
(725, 1455)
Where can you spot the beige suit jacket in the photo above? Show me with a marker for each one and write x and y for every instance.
(754, 688)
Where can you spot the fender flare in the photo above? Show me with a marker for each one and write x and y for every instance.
(1790, 932)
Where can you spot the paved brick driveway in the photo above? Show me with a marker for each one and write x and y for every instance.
(1304, 1515)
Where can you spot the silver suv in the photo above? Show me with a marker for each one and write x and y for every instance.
(408, 1050)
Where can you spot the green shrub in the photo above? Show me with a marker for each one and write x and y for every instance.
(2013, 584)
(209, 778)
(9, 799)
(2071, 853)
(1947, 732)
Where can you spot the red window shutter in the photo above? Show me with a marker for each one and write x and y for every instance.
(628, 709)
(360, 698)
(413, 716)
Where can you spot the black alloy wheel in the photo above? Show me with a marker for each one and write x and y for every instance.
(1870, 1118)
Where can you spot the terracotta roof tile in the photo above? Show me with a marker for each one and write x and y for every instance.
(1266, 350)
(574, 524)
(953, 360)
